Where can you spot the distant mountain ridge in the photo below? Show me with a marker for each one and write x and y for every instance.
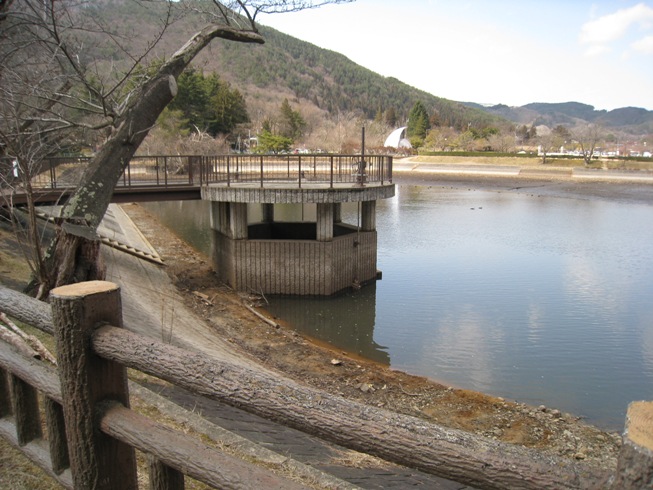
(286, 67)
(331, 81)
(632, 120)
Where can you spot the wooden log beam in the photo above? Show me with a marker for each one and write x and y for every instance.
(41, 376)
(187, 455)
(394, 437)
(26, 309)
(37, 451)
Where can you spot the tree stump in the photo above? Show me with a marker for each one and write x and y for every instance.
(635, 467)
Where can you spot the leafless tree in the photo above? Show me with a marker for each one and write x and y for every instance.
(548, 141)
(502, 142)
(464, 141)
(56, 83)
(588, 138)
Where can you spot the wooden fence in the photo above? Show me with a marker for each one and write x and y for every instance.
(92, 433)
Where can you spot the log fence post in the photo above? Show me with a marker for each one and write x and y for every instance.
(635, 466)
(5, 403)
(26, 410)
(97, 461)
(56, 436)
(163, 477)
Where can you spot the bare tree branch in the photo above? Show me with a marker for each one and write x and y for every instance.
(57, 81)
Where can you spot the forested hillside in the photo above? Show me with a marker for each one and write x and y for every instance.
(332, 82)
(285, 67)
(330, 96)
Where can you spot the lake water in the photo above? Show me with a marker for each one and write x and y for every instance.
(544, 300)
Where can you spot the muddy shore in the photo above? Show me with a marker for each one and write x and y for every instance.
(281, 349)
(533, 180)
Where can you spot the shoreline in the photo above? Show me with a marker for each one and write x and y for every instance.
(536, 180)
(293, 355)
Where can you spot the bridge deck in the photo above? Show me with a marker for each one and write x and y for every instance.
(158, 178)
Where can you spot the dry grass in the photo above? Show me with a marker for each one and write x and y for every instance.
(19, 473)
(354, 459)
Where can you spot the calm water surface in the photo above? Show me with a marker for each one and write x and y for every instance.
(539, 299)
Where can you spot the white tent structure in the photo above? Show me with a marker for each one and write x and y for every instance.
(397, 139)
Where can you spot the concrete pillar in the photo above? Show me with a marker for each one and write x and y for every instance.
(220, 217)
(238, 220)
(324, 222)
(337, 212)
(368, 216)
(268, 212)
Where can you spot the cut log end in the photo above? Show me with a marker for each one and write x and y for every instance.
(84, 289)
(640, 424)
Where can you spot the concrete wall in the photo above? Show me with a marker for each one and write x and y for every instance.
(302, 267)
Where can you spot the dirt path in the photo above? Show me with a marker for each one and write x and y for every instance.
(220, 324)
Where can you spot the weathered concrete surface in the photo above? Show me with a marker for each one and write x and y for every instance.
(289, 193)
(151, 304)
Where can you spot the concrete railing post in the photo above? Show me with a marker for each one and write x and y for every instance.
(97, 461)
(635, 467)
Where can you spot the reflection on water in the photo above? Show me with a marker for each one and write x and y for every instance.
(350, 326)
(539, 299)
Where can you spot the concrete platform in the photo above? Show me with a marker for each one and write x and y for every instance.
(289, 192)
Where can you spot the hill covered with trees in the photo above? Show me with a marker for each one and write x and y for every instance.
(332, 93)
(334, 83)
(256, 89)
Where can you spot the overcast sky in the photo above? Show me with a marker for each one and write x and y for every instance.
(495, 51)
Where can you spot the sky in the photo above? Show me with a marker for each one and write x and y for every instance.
(511, 52)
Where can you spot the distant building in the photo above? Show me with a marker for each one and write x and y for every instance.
(397, 139)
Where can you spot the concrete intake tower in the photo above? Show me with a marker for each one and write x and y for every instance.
(255, 252)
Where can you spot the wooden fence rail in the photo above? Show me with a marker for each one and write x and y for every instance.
(94, 350)
(92, 432)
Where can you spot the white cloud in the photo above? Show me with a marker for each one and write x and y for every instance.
(599, 33)
(644, 46)
(597, 50)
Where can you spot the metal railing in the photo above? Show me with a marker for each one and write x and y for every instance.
(195, 170)
(300, 169)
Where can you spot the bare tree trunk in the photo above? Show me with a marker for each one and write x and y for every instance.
(38, 260)
(93, 195)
